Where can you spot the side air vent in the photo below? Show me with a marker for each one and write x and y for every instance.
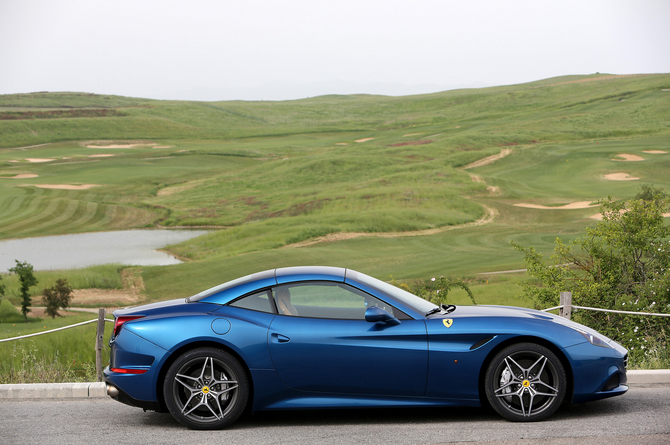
(625, 362)
(481, 343)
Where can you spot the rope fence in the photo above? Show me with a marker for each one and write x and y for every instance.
(565, 309)
(54, 330)
(100, 332)
(606, 310)
(566, 306)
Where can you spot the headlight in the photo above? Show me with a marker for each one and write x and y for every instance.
(596, 340)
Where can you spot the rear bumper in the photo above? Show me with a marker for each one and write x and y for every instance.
(124, 398)
(131, 352)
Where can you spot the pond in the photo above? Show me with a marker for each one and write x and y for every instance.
(129, 247)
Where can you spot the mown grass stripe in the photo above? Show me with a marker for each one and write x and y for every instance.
(37, 226)
(29, 211)
(84, 214)
(9, 205)
(62, 215)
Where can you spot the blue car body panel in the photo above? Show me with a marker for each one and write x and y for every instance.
(299, 362)
(350, 356)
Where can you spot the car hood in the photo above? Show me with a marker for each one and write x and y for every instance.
(480, 311)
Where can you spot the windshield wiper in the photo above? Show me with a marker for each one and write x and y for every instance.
(446, 308)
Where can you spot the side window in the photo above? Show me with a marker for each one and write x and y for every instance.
(324, 299)
(256, 302)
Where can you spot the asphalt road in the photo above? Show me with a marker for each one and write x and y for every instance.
(642, 416)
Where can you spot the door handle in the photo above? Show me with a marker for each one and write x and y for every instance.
(278, 338)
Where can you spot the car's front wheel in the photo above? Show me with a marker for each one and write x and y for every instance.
(525, 382)
(206, 388)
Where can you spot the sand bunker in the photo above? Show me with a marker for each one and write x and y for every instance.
(570, 206)
(620, 177)
(39, 160)
(341, 143)
(364, 140)
(655, 152)
(627, 157)
(22, 176)
(100, 156)
(117, 145)
(65, 186)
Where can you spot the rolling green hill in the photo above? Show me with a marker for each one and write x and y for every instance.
(384, 179)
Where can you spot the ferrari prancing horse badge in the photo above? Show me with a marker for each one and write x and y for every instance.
(447, 322)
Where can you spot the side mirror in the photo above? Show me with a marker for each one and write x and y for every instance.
(376, 314)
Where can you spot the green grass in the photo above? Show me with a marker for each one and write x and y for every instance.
(270, 174)
(106, 276)
(61, 356)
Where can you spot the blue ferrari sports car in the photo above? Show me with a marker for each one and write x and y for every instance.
(327, 337)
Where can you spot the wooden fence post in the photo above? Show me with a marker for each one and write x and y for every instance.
(566, 302)
(98, 343)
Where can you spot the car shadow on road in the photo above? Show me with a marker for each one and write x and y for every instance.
(395, 416)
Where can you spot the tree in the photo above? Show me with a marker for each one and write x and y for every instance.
(622, 263)
(58, 296)
(434, 289)
(25, 272)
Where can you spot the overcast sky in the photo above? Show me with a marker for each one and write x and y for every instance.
(289, 49)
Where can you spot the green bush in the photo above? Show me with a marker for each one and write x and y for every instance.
(621, 264)
(8, 313)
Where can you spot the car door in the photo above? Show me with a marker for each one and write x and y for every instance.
(321, 342)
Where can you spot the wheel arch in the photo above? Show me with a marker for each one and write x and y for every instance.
(525, 339)
(200, 344)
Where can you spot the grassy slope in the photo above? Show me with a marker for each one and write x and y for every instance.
(276, 173)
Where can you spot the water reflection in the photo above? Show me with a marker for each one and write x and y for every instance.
(130, 247)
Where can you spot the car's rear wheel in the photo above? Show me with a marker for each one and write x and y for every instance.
(525, 382)
(206, 388)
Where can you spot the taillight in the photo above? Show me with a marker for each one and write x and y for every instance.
(120, 320)
(128, 370)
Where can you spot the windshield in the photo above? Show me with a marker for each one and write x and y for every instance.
(418, 304)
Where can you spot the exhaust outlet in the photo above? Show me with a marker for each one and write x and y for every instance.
(112, 391)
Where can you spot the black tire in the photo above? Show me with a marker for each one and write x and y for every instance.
(525, 382)
(202, 398)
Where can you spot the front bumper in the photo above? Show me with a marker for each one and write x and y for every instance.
(598, 372)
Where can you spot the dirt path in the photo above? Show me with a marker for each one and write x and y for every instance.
(489, 159)
(489, 215)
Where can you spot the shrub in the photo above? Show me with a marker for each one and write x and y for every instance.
(8, 313)
(56, 297)
(621, 264)
(434, 289)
